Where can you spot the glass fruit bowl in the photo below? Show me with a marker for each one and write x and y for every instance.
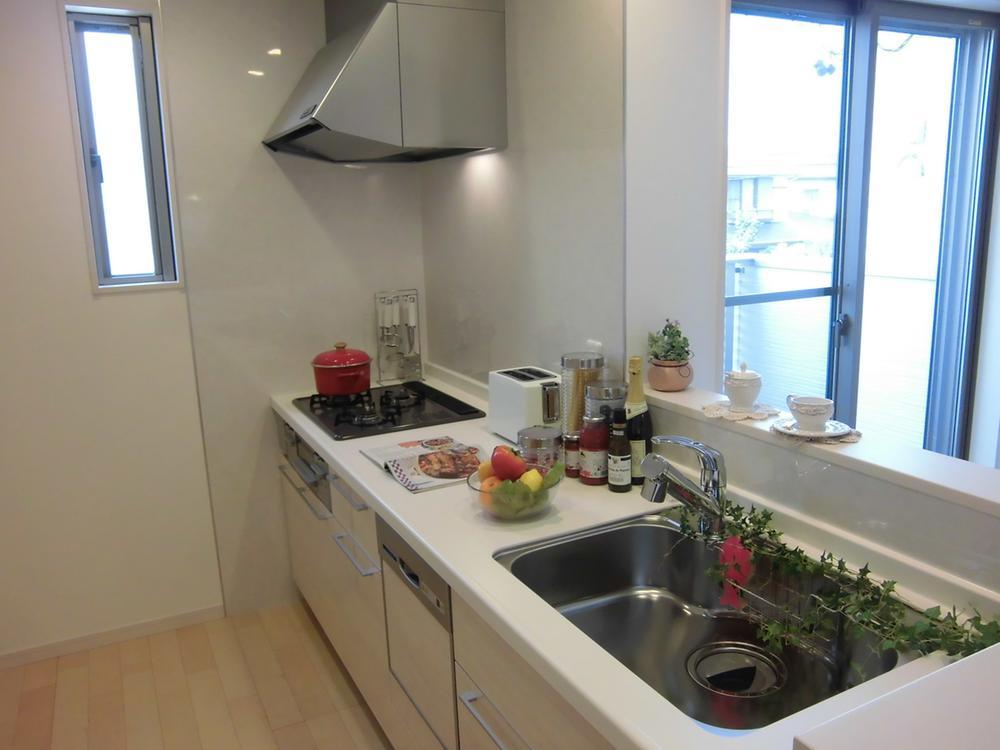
(514, 501)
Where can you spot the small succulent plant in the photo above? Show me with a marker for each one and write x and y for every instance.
(669, 344)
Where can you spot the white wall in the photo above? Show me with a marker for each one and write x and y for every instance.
(283, 255)
(985, 443)
(523, 247)
(872, 515)
(104, 509)
(675, 174)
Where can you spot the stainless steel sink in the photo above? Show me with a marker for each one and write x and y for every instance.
(644, 592)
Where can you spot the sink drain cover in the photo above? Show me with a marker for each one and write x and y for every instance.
(737, 669)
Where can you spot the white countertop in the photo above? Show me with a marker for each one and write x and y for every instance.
(448, 529)
(956, 706)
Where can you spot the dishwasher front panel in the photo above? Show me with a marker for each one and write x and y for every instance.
(418, 627)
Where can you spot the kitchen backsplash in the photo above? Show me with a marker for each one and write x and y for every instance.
(523, 248)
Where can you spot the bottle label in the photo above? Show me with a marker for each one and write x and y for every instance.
(638, 453)
(572, 458)
(635, 408)
(593, 464)
(619, 470)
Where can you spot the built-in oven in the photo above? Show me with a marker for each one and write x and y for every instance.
(308, 464)
(418, 629)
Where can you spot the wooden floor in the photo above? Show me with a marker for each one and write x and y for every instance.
(267, 680)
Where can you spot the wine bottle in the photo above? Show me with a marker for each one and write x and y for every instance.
(640, 424)
(619, 454)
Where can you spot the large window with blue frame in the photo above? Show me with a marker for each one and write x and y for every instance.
(860, 147)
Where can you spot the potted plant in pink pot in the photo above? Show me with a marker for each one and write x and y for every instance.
(669, 355)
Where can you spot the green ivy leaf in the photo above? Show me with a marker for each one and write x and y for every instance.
(867, 605)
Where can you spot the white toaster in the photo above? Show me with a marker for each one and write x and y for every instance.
(522, 397)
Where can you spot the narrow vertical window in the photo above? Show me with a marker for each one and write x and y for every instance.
(122, 140)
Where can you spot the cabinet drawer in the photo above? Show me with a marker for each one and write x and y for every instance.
(344, 500)
(363, 530)
(533, 709)
(336, 566)
(480, 725)
(306, 521)
(333, 608)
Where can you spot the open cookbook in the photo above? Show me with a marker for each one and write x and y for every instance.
(421, 465)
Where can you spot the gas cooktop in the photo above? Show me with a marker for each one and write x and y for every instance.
(385, 409)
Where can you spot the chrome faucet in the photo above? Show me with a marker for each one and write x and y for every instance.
(663, 478)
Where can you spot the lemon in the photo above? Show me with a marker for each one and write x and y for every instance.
(533, 479)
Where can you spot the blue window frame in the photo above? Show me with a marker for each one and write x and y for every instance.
(859, 275)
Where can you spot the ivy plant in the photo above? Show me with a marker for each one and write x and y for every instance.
(853, 597)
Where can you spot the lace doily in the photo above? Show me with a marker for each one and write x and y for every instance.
(723, 410)
(851, 437)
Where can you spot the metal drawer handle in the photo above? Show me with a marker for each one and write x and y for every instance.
(338, 539)
(467, 700)
(347, 493)
(305, 471)
(321, 513)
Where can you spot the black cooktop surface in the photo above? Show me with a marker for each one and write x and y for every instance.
(385, 409)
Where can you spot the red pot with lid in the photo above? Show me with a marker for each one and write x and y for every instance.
(342, 371)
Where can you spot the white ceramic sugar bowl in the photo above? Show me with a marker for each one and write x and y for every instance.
(742, 388)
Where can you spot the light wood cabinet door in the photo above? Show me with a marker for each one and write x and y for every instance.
(345, 501)
(305, 521)
(336, 566)
(480, 725)
(361, 606)
(333, 604)
(533, 709)
(363, 529)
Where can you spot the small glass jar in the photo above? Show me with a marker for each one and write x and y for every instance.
(571, 448)
(603, 397)
(594, 451)
(541, 446)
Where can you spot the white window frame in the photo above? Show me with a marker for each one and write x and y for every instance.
(143, 23)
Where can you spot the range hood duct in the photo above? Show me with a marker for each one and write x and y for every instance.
(400, 80)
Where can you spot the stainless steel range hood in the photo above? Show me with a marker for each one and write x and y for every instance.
(400, 80)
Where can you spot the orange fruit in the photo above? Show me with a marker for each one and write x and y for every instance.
(485, 489)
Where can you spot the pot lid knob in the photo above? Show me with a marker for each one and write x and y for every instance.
(343, 345)
(341, 356)
(743, 373)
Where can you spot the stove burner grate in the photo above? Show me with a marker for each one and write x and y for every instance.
(384, 409)
(399, 399)
(320, 403)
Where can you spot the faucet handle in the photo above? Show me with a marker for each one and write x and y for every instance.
(713, 467)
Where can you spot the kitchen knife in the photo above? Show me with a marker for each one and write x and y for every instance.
(394, 319)
(411, 321)
(404, 320)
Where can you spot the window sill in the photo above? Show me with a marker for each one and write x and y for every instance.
(139, 286)
(960, 482)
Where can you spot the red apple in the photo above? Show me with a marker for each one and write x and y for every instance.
(507, 464)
